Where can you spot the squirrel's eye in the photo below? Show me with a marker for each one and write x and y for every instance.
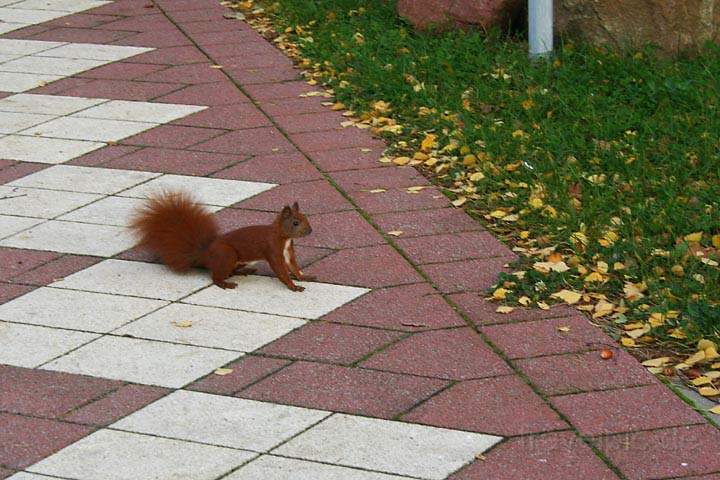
(296, 223)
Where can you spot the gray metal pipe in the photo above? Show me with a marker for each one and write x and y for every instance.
(540, 27)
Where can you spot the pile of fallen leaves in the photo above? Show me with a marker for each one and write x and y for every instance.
(591, 267)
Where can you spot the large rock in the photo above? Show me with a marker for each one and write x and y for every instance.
(673, 25)
(443, 14)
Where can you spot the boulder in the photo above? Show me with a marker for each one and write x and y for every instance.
(673, 25)
(444, 14)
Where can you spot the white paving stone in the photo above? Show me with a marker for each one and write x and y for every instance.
(72, 237)
(31, 346)
(50, 65)
(25, 47)
(11, 122)
(220, 420)
(138, 279)
(27, 16)
(20, 82)
(9, 27)
(91, 129)
(30, 476)
(92, 51)
(140, 111)
(47, 104)
(71, 309)
(69, 6)
(84, 179)
(44, 150)
(269, 467)
(211, 327)
(113, 455)
(393, 447)
(142, 361)
(112, 211)
(210, 191)
(11, 225)
(31, 202)
(256, 293)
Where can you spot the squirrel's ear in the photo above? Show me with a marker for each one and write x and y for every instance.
(286, 212)
(296, 207)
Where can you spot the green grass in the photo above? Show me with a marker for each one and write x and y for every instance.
(634, 138)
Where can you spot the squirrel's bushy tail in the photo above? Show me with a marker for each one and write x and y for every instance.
(176, 228)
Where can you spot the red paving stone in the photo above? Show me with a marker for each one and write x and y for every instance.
(347, 158)
(550, 456)
(344, 389)
(82, 35)
(16, 261)
(121, 71)
(340, 230)
(453, 247)
(457, 354)
(501, 406)
(19, 170)
(582, 372)
(192, 74)
(173, 136)
(543, 337)
(25, 440)
(171, 56)
(408, 307)
(376, 178)
(249, 76)
(48, 394)
(671, 452)
(333, 140)
(221, 93)
(483, 312)
(116, 405)
(625, 410)
(314, 197)
(121, 89)
(427, 222)
(231, 117)
(330, 342)
(372, 267)
(105, 154)
(9, 291)
(183, 162)
(310, 122)
(245, 372)
(282, 168)
(275, 91)
(253, 141)
(297, 106)
(472, 275)
(399, 200)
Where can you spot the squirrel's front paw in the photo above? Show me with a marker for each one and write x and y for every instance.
(297, 288)
(226, 285)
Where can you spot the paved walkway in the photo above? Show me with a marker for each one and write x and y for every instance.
(390, 366)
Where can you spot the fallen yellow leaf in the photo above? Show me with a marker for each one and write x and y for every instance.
(694, 237)
(701, 380)
(395, 233)
(543, 306)
(524, 301)
(709, 391)
(715, 410)
(223, 371)
(183, 324)
(477, 176)
(378, 190)
(568, 296)
(401, 161)
(627, 342)
(695, 358)
(563, 329)
(716, 241)
(504, 309)
(637, 333)
(428, 142)
(500, 294)
(594, 277)
(656, 362)
(459, 202)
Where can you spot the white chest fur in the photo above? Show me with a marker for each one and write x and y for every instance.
(286, 252)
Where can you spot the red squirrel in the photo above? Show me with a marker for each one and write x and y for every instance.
(185, 235)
